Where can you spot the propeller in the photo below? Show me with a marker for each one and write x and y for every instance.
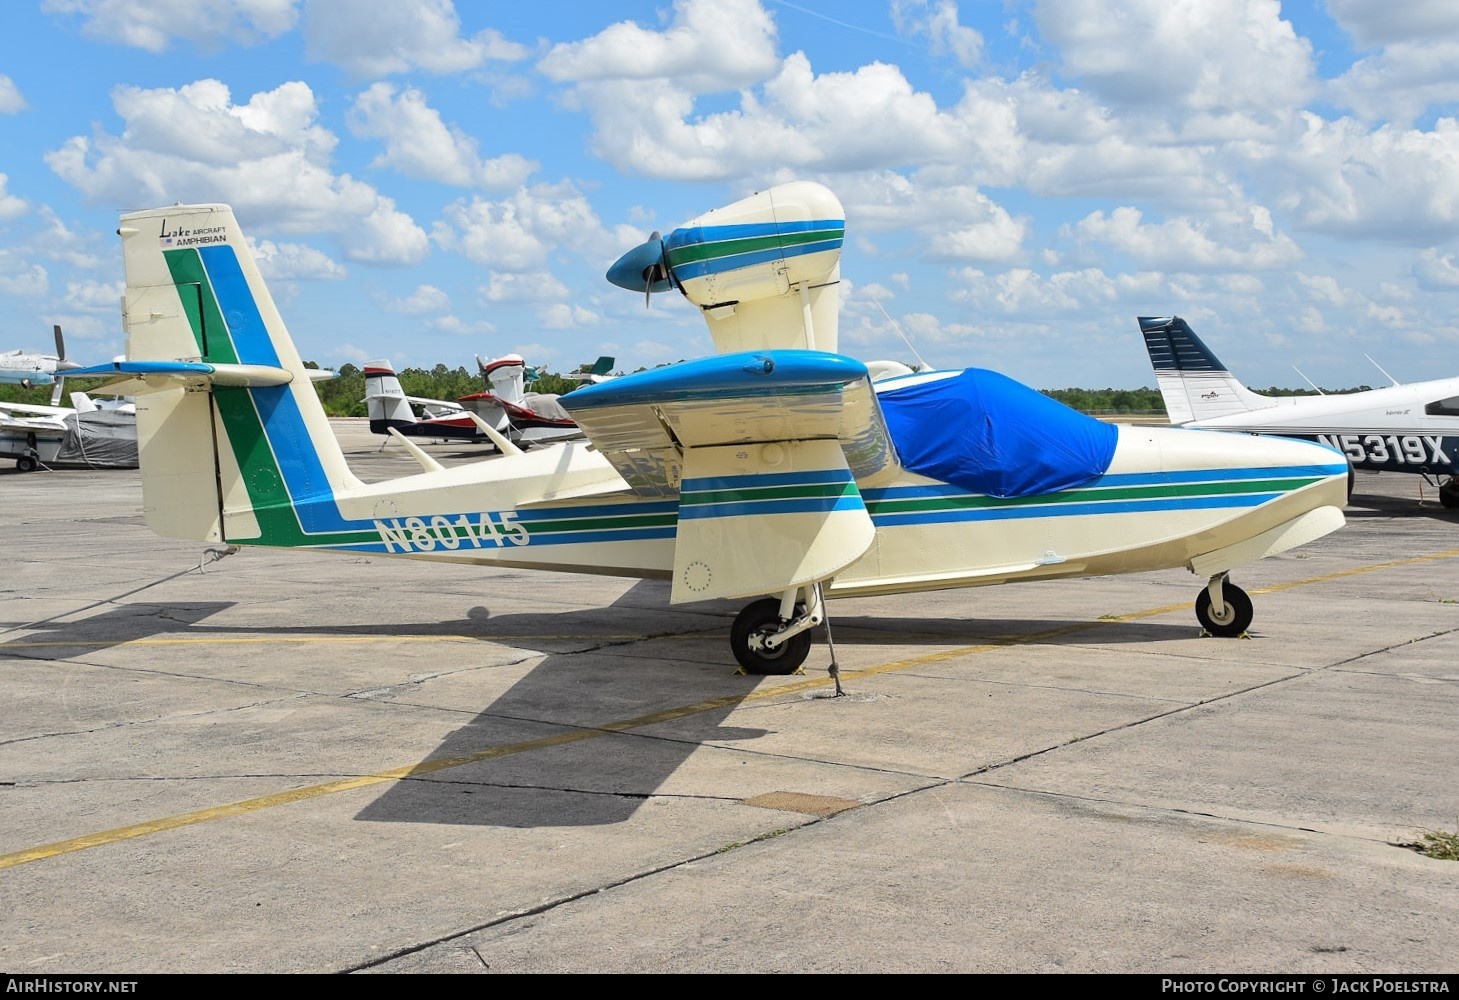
(645, 267)
(62, 365)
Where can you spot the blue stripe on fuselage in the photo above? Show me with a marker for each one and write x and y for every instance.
(894, 520)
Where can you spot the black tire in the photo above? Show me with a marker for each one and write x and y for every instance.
(25, 463)
(758, 618)
(1352, 481)
(1449, 494)
(1237, 617)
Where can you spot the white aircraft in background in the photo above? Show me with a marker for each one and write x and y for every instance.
(29, 368)
(599, 371)
(90, 433)
(525, 418)
(774, 472)
(1411, 428)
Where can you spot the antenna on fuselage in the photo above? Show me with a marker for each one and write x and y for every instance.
(924, 365)
(1308, 381)
(1380, 368)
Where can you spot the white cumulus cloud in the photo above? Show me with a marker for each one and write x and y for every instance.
(154, 24)
(11, 207)
(939, 22)
(1216, 68)
(11, 100)
(535, 286)
(419, 144)
(294, 261)
(518, 233)
(425, 299)
(1436, 271)
(268, 158)
(709, 45)
(373, 40)
(1215, 242)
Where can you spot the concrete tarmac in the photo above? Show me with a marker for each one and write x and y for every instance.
(285, 762)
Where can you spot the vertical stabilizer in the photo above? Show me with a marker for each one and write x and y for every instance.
(1193, 382)
(505, 378)
(227, 457)
(385, 402)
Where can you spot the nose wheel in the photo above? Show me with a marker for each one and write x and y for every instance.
(1223, 608)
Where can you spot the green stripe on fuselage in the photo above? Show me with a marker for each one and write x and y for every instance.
(694, 252)
(1166, 491)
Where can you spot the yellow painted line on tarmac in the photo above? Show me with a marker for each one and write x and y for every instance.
(1306, 582)
(621, 726)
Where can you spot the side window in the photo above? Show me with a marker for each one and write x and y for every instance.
(1443, 407)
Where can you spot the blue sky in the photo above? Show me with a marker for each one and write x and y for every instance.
(427, 181)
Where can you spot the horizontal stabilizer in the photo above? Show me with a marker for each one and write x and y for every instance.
(168, 374)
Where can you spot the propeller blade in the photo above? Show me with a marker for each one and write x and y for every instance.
(62, 365)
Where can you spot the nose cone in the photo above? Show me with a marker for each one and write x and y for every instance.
(632, 271)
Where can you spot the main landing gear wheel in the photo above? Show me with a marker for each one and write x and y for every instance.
(1232, 619)
(1449, 494)
(757, 622)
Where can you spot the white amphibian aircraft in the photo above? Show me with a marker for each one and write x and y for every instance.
(1411, 428)
(776, 472)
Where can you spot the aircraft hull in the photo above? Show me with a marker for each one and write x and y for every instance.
(1169, 498)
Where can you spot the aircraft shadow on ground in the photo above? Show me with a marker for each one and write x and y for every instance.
(54, 640)
(1363, 505)
(605, 777)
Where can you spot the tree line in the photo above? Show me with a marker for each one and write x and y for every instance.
(344, 395)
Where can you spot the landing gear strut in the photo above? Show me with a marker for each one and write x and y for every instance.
(1223, 608)
(754, 629)
(773, 635)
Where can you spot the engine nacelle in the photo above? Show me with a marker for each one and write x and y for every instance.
(763, 270)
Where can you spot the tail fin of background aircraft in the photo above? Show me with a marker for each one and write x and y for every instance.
(233, 441)
(1192, 380)
(385, 401)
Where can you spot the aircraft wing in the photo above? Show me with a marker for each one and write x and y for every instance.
(765, 451)
(43, 421)
(436, 407)
(23, 410)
